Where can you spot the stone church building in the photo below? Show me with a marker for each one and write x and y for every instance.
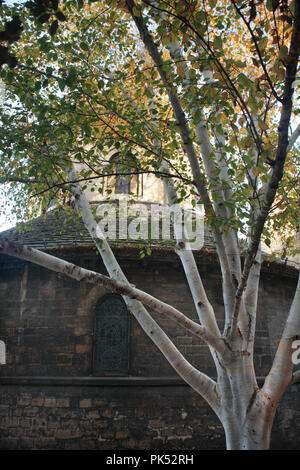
(79, 371)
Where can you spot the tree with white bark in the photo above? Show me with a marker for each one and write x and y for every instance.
(203, 91)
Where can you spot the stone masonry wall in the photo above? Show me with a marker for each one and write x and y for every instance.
(47, 323)
(106, 418)
(122, 417)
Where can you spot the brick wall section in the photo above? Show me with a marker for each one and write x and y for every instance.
(47, 323)
(106, 418)
(115, 418)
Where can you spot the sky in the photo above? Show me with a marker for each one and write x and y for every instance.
(5, 223)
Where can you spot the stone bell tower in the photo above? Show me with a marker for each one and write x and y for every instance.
(124, 181)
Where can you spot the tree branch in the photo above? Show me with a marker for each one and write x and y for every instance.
(232, 87)
(187, 141)
(247, 23)
(202, 305)
(84, 275)
(280, 375)
(211, 166)
(293, 138)
(106, 175)
(196, 379)
(277, 173)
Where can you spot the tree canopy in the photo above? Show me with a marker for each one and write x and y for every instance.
(85, 81)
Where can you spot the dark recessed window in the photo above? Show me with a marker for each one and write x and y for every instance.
(126, 181)
(111, 338)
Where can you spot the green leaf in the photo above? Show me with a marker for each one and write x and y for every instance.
(263, 43)
(268, 242)
(136, 11)
(148, 250)
(218, 42)
(200, 17)
(84, 46)
(244, 81)
(240, 64)
(272, 5)
(197, 117)
(283, 52)
(79, 4)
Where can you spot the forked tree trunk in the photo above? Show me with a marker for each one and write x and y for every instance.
(250, 433)
(248, 412)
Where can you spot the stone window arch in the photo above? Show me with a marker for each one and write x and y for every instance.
(111, 336)
(124, 183)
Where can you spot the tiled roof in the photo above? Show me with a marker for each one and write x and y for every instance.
(51, 231)
(58, 229)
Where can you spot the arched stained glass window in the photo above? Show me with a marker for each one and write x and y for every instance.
(111, 339)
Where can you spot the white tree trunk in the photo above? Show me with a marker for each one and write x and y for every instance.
(247, 411)
(248, 430)
(249, 434)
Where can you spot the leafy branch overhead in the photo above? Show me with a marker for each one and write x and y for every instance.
(240, 99)
(11, 33)
(44, 11)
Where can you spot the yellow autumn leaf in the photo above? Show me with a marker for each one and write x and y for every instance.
(256, 171)
(34, 52)
(193, 90)
(281, 74)
(166, 39)
(180, 70)
(223, 118)
(122, 5)
(248, 190)
(262, 125)
(136, 11)
(246, 143)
